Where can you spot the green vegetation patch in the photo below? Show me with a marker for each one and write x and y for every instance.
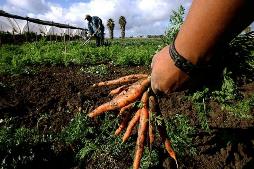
(16, 59)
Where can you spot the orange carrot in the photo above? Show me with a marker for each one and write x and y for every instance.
(121, 80)
(131, 125)
(122, 125)
(125, 108)
(170, 150)
(118, 90)
(141, 132)
(151, 125)
(124, 98)
(162, 132)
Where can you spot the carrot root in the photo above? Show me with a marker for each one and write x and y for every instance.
(121, 80)
(123, 99)
(131, 125)
(118, 90)
(167, 143)
(141, 132)
(151, 122)
(125, 108)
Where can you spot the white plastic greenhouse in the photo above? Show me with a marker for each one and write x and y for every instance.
(9, 25)
(17, 29)
(34, 28)
(52, 30)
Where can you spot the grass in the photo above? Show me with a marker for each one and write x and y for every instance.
(16, 59)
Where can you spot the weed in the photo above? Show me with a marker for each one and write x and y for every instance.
(78, 130)
(16, 146)
(241, 58)
(100, 70)
(242, 108)
(199, 101)
(105, 149)
(228, 89)
(180, 133)
(88, 149)
(202, 115)
(150, 158)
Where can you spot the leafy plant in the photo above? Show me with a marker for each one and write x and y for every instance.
(17, 59)
(241, 58)
(180, 132)
(150, 158)
(175, 21)
(228, 89)
(16, 146)
(99, 70)
(199, 101)
(242, 108)
(105, 149)
(78, 130)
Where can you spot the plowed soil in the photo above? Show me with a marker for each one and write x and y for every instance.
(60, 92)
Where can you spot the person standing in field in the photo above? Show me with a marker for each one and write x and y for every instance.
(96, 28)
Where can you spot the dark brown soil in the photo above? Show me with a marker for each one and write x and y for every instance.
(60, 92)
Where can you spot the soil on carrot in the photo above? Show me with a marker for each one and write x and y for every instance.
(57, 93)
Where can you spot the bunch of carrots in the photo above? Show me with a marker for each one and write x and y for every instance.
(124, 98)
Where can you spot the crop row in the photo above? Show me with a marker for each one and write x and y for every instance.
(17, 58)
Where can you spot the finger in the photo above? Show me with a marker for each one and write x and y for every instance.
(154, 60)
(154, 86)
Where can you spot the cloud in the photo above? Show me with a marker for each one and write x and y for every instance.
(143, 16)
(27, 6)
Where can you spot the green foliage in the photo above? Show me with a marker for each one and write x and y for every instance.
(180, 133)
(198, 98)
(99, 70)
(103, 147)
(202, 115)
(175, 21)
(97, 143)
(241, 59)
(25, 135)
(228, 89)
(242, 108)
(14, 137)
(78, 130)
(150, 158)
(89, 148)
(16, 146)
(16, 59)
(133, 55)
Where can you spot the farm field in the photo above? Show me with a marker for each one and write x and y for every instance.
(46, 93)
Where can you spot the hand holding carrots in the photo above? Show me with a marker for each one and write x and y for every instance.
(125, 97)
(165, 76)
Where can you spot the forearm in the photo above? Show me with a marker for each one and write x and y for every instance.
(211, 23)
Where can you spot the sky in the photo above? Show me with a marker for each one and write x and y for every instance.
(144, 17)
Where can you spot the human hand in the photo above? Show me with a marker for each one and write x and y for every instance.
(166, 77)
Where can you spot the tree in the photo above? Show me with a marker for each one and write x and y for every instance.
(122, 22)
(111, 26)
